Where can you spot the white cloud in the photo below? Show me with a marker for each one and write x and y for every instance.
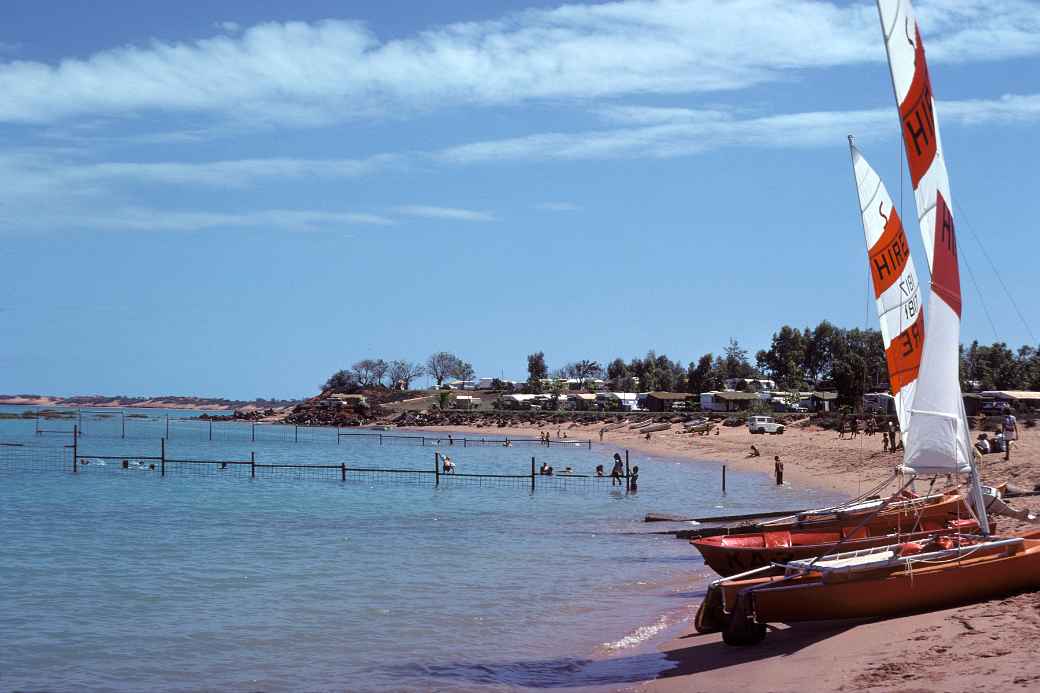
(145, 219)
(558, 206)
(680, 132)
(311, 73)
(228, 27)
(233, 173)
(446, 213)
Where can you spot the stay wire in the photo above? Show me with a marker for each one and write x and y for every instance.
(996, 272)
(985, 308)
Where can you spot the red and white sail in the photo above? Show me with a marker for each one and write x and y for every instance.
(939, 442)
(896, 289)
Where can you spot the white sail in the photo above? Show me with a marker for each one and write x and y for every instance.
(940, 443)
(896, 289)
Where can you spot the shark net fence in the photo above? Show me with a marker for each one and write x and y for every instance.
(72, 459)
(126, 425)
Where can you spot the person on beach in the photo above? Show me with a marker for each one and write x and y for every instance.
(854, 428)
(1010, 426)
(617, 471)
(601, 435)
(451, 441)
(599, 470)
(841, 428)
(545, 469)
(778, 469)
(648, 436)
(633, 479)
(754, 452)
(891, 433)
(449, 466)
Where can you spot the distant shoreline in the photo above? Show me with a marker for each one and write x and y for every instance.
(163, 402)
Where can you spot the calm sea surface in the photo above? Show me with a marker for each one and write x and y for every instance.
(116, 579)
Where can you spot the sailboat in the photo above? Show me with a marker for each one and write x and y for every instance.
(912, 575)
(898, 300)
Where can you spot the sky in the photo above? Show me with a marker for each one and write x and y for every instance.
(237, 199)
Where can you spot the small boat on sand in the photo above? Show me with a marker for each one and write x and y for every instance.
(738, 553)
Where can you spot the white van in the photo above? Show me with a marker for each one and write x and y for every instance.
(764, 424)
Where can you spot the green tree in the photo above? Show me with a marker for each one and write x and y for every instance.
(785, 359)
(444, 365)
(736, 362)
(341, 382)
(536, 370)
(699, 377)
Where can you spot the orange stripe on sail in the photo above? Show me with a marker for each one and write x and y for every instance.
(889, 255)
(918, 117)
(904, 355)
(946, 276)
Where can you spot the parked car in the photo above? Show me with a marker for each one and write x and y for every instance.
(764, 424)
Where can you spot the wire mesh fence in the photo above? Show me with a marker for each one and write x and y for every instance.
(19, 457)
(122, 424)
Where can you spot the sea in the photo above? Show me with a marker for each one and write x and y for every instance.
(120, 579)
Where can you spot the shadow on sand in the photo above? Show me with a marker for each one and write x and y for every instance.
(705, 653)
(708, 652)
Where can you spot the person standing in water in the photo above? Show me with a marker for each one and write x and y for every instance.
(617, 470)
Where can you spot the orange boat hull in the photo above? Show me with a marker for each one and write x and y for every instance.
(893, 592)
(731, 554)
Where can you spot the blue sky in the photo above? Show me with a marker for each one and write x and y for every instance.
(238, 200)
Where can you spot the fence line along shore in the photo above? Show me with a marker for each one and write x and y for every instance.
(230, 430)
(71, 458)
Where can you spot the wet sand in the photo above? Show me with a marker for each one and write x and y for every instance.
(979, 646)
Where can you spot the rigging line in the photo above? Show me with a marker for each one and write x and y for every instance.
(985, 308)
(967, 224)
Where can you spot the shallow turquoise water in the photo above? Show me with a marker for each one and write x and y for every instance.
(120, 580)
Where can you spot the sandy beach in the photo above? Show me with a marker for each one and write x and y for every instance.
(961, 649)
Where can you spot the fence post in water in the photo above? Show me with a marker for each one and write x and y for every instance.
(37, 423)
(463, 442)
(252, 433)
(532, 474)
(337, 435)
(342, 471)
(167, 425)
(437, 468)
(211, 430)
(123, 414)
(296, 433)
(590, 443)
(723, 478)
(75, 449)
(628, 474)
(252, 464)
(162, 457)
(380, 438)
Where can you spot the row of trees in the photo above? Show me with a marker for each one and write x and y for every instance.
(996, 367)
(371, 374)
(849, 361)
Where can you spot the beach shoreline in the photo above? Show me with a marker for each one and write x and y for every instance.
(901, 654)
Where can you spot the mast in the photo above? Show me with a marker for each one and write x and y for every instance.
(896, 288)
(941, 441)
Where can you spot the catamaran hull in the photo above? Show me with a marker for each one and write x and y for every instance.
(786, 546)
(741, 608)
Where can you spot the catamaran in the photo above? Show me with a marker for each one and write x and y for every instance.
(940, 570)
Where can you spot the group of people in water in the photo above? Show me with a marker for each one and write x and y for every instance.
(545, 437)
